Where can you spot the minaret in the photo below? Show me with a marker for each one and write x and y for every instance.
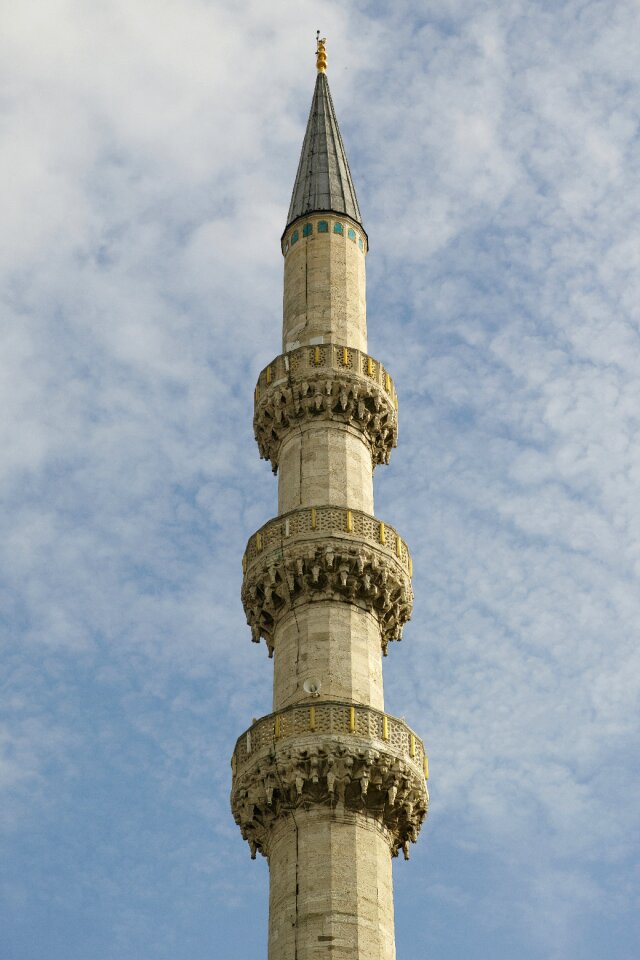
(328, 787)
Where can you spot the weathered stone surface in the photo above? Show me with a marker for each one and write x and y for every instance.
(320, 466)
(368, 770)
(324, 285)
(334, 643)
(324, 553)
(327, 382)
(331, 886)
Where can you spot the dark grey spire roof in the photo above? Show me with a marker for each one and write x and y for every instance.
(323, 181)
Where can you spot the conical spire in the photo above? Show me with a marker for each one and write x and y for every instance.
(323, 181)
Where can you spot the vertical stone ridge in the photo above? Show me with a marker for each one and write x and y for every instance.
(323, 180)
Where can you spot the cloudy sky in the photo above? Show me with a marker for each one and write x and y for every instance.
(148, 155)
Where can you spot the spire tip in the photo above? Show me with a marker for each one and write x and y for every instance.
(321, 53)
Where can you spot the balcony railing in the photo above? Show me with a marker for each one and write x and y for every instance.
(329, 717)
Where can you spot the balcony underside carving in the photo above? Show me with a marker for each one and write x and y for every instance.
(326, 569)
(344, 399)
(325, 382)
(326, 553)
(338, 773)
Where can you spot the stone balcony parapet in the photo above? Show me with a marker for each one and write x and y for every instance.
(320, 717)
(326, 381)
(333, 754)
(326, 553)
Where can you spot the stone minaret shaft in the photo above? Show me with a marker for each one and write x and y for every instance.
(328, 787)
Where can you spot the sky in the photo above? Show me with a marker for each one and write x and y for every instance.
(148, 155)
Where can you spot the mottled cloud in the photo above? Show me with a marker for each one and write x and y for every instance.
(149, 153)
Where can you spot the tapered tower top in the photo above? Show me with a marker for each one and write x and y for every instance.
(323, 182)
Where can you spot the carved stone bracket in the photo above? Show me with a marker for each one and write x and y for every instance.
(326, 382)
(344, 773)
(326, 553)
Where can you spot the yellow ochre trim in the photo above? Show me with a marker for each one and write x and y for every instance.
(398, 547)
(321, 53)
(352, 719)
(370, 366)
(269, 374)
(412, 745)
(316, 356)
(314, 518)
(345, 357)
(426, 767)
(387, 382)
(385, 728)
(349, 521)
(381, 532)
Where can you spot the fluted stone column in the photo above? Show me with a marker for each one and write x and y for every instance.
(328, 787)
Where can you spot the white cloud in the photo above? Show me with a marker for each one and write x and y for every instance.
(149, 154)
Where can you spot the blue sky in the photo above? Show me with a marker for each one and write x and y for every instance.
(149, 151)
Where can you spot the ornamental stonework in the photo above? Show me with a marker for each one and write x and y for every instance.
(329, 762)
(326, 553)
(326, 382)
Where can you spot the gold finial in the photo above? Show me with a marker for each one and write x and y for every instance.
(321, 53)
